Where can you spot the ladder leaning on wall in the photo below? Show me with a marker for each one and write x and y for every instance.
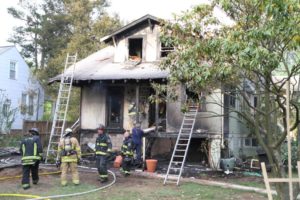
(61, 107)
(181, 147)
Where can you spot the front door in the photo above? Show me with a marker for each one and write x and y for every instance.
(115, 98)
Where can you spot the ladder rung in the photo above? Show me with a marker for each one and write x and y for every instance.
(54, 142)
(56, 135)
(177, 162)
(179, 150)
(178, 156)
(189, 115)
(181, 144)
(171, 180)
(176, 168)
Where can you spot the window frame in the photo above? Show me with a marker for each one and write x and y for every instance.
(30, 104)
(13, 71)
(143, 53)
(252, 142)
(23, 103)
(6, 106)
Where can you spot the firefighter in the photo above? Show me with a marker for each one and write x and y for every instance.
(36, 137)
(69, 154)
(127, 153)
(103, 148)
(30, 149)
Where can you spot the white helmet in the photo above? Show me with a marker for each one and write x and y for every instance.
(67, 132)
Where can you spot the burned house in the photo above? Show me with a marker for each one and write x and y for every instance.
(115, 87)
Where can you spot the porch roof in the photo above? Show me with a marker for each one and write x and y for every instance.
(100, 66)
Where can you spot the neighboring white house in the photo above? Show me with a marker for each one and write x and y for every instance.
(22, 90)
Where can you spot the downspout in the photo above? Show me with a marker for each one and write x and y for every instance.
(38, 105)
(222, 120)
(156, 111)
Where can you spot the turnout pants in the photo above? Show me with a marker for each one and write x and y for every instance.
(74, 171)
(34, 169)
(101, 163)
(126, 165)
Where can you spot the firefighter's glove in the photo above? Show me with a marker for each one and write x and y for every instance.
(58, 163)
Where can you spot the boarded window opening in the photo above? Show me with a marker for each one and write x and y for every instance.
(135, 48)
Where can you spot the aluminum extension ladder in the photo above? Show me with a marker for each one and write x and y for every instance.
(61, 107)
(182, 145)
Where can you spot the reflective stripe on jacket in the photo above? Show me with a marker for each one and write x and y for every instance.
(103, 145)
(29, 151)
(39, 146)
(127, 147)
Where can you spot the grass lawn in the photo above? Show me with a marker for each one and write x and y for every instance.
(129, 188)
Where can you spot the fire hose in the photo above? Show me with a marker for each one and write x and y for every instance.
(34, 197)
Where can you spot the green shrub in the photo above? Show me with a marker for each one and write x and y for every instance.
(10, 140)
(284, 153)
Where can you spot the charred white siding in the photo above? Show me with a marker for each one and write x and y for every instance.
(93, 104)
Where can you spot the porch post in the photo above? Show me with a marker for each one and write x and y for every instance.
(137, 94)
(156, 111)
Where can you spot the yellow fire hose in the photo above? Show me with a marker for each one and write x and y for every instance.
(20, 195)
(33, 197)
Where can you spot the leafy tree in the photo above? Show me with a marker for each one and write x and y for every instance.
(250, 52)
(7, 113)
(54, 28)
(44, 32)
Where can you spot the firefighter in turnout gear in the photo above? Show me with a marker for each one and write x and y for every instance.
(127, 153)
(103, 149)
(69, 154)
(31, 151)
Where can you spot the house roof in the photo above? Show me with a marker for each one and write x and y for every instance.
(100, 66)
(147, 18)
(5, 48)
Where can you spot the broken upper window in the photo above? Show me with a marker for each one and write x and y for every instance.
(165, 49)
(200, 99)
(135, 49)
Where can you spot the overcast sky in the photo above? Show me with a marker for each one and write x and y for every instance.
(128, 10)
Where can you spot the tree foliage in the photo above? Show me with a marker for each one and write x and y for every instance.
(246, 54)
(57, 27)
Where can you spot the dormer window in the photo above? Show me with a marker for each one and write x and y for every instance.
(135, 49)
